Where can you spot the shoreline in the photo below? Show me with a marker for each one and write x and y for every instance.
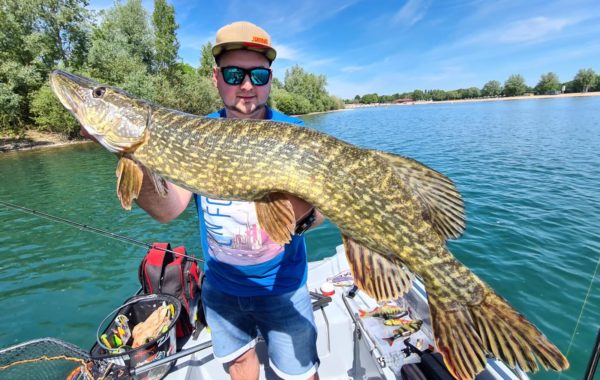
(36, 140)
(497, 99)
(44, 140)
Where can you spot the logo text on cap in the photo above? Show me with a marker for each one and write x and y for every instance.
(260, 40)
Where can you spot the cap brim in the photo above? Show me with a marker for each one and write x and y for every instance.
(267, 51)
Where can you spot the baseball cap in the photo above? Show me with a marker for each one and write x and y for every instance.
(243, 35)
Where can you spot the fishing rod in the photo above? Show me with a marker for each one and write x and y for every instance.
(88, 228)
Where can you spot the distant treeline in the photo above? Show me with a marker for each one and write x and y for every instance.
(585, 80)
(124, 46)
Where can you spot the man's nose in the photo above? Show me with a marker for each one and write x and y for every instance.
(246, 83)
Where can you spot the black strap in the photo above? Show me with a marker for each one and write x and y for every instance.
(304, 224)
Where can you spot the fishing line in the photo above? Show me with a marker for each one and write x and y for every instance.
(582, 309)
(85, 227)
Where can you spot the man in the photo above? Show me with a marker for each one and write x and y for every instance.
(252, 284)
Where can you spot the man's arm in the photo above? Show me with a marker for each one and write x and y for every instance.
(303, 208)
(163, 209)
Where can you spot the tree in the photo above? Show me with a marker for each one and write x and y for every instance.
(491, 88)
(165, 40)
(369, 98)
(438, 95)
(122, 45)
(289, 103)
(548, 82)
(418, 95)
(207, 61)
(188, 92)
(50, 115)
(35, 36)
(10, 110)
(515, 85)
(276, 83)
(584, 80)
(310, 86)
(473, 92)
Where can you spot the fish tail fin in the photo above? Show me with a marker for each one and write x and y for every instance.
(465, 334)
(508, 335)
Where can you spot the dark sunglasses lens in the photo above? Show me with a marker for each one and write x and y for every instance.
(260, 77)
(233, 75)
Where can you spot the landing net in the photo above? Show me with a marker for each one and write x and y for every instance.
(46, 358)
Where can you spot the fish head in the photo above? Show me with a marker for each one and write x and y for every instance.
(117, 120)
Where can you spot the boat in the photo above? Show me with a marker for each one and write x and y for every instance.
(349, 346)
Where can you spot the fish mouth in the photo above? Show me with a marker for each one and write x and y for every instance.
(72, 91)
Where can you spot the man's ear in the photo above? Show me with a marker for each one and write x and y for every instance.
(214, 76)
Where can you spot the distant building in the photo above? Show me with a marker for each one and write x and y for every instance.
(553, 92)
(529, 94)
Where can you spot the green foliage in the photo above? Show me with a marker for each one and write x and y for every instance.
(50, 115)
(436, 95)
(207, 61)
(548, 82)
(44, 32)
(299, 86)
(491, 88)
(122, 44)
(453, 95)
(515, 85)
(187, 92)
(276, 83)
(597, 86)
(165, 40)
(584, 80)
(369, 99)
(35, 36)
(472, 93)
(418, 95)
(10, 110)
(289, 103)
(184, 68)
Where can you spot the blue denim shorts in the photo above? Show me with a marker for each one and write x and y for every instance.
(285, 321)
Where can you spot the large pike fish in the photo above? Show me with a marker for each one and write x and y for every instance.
(394, 212)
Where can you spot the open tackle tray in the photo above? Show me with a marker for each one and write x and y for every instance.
(119, 362)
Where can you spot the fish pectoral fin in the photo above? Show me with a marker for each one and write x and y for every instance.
(443, 204)
(160, 185)
(465, 334)
(374, 273)
(129, 181)
(276, 217)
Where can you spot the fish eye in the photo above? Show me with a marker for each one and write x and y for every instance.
(98, 92)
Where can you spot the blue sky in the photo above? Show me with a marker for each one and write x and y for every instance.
(397, 46)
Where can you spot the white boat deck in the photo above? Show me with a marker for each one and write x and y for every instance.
(345, 352)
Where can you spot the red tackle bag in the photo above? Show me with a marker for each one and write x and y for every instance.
(164, 272)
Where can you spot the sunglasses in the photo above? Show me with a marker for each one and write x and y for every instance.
(233, 75)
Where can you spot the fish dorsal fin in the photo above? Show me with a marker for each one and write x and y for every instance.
(276, 217)
(443, 204)
(374, 273)
(129, 181)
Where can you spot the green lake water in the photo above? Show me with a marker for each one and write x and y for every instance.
(529, 172)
